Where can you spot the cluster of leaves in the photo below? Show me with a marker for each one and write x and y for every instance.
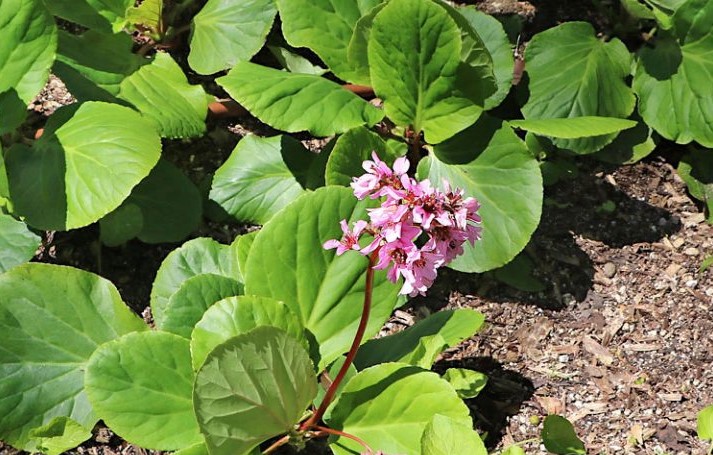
(244, 329)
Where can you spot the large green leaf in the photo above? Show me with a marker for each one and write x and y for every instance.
(121, 225)
(17, 243)
(671, 80)
(506, 180)
(389, 405)
(60, 435)
(428, 89)
(14, 111)
(251, 388)
(696, 169)
(263, 175)
(574, 127)
(162, 93)
(303, 26)
(452, 326)
(297, 102)
(237, 315)
(467, 383)
(496, 41)
(52, 318)
(287, 262)
(171, 205)
(140, 385)
(28, 42)
(101, 15)
(589, 80)
(226, 32)
(242, 245)
(357, 51)
(187, 305)
(350, 151)
(705, 423)
(195, 257)
(446, 436)
(89, 158)
(93, 64)
(559, 437)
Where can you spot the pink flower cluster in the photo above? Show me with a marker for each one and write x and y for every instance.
(417, 228)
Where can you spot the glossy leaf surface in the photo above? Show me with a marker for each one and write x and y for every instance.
(141, 386)
(90, 156)
(287, 262)
(295, 102)
(389, 407)
(251, 388)
(238, 315)
(226, 32)
(52, 318)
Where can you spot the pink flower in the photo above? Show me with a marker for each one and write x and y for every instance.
(350, 241)
(412, 213)
(379, 178)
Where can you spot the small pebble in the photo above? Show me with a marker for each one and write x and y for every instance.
(692, 251)
(564, 358)
(609, 269)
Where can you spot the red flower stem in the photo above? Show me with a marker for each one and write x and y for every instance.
(329, 395)
(346, 435)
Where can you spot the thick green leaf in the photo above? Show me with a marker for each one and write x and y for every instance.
(4, 186)
(90, 157)
(251, 388)
(637, 9)
(357, 51)
(496, 41)
(195, 257)
(101, 15)
(140, 386)
(121, 225)
(671, 81)
(453, 326)
(303, 26)
(94, 64)
(506, 180)
(171, 205)
(350, 151)
(331, 372)
(518, 273)
(389, 406)
(52, 318)
(696, 169)
(589, 81)
(14, 111)
(514, 450)
(187, 305)
(148, 15)
(467, 383)
(294, 62)
(60, 435)
(630, 146)
(234, 316)
(243, 244)
(162, 93)
(297, 102)
(427, 89)
(17, 243)
(287, 262)
(447, 436)
(574, 127)
(263, 175)
(226, 32)
(705, 423)
(559, 437)
(198, 449)
(28, 42)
